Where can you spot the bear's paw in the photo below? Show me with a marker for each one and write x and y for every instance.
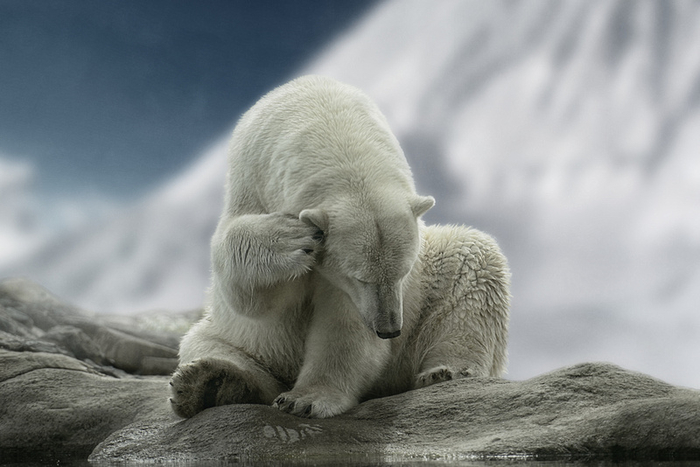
(294, 245)
(206, 383)
(438, 374)
(318, 403)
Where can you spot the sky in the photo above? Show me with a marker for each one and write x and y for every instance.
(111, 98)
(567, 130)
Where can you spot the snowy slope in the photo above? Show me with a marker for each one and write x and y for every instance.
(568, 130)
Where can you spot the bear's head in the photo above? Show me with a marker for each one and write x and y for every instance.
(369, 250)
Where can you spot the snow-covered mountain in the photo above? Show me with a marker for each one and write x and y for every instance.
(568, 130)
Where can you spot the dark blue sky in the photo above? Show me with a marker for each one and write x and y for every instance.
(114, 96)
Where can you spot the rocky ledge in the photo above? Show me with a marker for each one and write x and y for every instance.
(74, 385)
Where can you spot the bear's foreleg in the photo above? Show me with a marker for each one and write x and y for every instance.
(343, 359)
(213, 372)
(255, 256)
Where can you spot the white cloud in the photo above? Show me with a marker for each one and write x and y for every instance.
(21, 229)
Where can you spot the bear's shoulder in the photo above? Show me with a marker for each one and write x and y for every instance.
(458, 245)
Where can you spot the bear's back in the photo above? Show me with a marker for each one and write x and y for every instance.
(310, 134)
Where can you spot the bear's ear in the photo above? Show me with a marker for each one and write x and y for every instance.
(421, 204)
(315, 217)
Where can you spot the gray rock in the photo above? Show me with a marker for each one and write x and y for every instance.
(33, 320)
(588, 411)
(22, 297)
(67, 388)
(14, 364)
(15, 322)
(55, 407)
(64, 374)
(131, 353)
(23, 343)
(77, 342)
(158, 326)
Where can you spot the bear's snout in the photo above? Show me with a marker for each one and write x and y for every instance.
(389, 312)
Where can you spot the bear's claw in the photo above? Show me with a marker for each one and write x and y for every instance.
(320, 404)
(282, 404)
(436, 375)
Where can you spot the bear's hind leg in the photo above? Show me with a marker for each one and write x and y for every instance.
(455, 355)
(210, 382)
(466, 332)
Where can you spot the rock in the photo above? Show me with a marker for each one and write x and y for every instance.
(68, 388)
(131, 353)
(588, 411)
(14, 364)
(22, 343)
(64, 375)
(33, 320)
(55, 407)
(39, 307)
(77, 342)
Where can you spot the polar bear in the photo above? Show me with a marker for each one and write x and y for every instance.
(327, 288)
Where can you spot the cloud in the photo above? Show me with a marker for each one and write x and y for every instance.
(21, 229)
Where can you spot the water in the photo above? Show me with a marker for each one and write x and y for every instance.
(368, 461)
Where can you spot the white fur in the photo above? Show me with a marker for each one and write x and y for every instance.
(304, 314)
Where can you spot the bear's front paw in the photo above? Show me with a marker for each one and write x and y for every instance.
(295, 246)
(208, 383)
(321, 403)
(438, 374)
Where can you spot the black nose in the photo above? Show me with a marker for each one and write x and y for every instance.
(389, 335)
